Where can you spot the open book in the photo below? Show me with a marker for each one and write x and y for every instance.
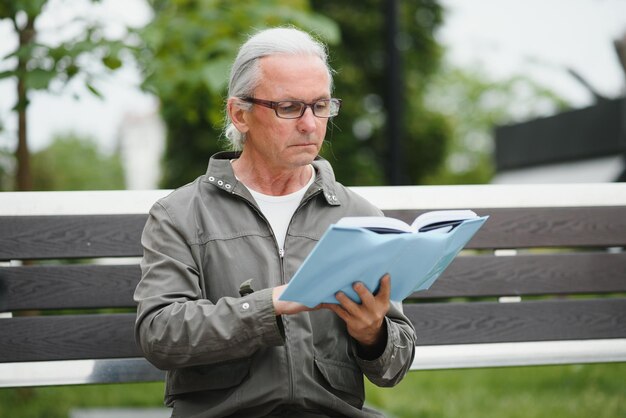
(440, 220)
(363, 249)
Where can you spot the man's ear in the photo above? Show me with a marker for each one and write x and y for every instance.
(237, 111)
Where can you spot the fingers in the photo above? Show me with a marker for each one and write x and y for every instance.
(384, 292)
(366, 296)
(363, 321)
(347, 306)
(282, 307)
(382, 295)
(337, 309)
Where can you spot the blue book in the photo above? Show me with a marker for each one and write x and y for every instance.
(365, 248)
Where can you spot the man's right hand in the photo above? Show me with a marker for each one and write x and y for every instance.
(283, 307)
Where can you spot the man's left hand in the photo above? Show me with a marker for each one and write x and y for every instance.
(366, 321)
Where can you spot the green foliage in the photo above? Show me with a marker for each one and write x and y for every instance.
(36, 65)
(358, 149)
(73, 163)
(474, 104)
(448, 114)
(13, 8)
(39, 64)
(189, 48)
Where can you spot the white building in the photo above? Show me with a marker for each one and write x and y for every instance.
(142, 143)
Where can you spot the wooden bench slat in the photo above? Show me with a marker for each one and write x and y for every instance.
(68, 287)
(544, 227)
(67, 337)
(80, 236)
(532, 274)
(40, 237)
(491, 322)
(111, 336)
(112, 286)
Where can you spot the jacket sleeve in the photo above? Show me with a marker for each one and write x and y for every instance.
(395, 361)
(176, 327)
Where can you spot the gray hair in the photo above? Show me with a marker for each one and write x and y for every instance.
(245, 72)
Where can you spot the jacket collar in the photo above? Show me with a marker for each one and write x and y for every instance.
(220, 174)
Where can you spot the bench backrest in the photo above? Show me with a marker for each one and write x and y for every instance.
(71, 266)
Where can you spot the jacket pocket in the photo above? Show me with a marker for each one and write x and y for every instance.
(210, 377)
(344, 380)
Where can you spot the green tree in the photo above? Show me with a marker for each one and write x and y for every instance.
(448, 113)
(36, 65)
(74, 163)
(359, 144)
(189, 46)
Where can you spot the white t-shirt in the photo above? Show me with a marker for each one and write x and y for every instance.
(280, 209)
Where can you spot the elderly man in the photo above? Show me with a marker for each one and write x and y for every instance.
(232, 350)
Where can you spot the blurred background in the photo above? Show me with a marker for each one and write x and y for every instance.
(435, 92)
(129, 94)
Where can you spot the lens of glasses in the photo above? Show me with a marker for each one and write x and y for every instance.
(324, 108)
(290, 110)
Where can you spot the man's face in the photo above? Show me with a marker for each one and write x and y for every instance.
(287, 143)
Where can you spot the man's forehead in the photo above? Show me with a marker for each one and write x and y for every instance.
(283, 71)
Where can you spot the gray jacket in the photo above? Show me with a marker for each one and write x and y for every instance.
(227, 354)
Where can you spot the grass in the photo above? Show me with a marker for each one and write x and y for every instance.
(57, 401)
(529, 392)
(571, 391)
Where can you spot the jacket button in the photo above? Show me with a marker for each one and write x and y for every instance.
(245, 306)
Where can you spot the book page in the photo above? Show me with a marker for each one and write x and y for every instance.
(379, 224)
(441, 218)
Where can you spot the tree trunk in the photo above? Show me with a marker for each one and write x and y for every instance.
(23, 178)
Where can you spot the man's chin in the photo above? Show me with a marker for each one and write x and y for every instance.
(305, 152)
(303, 160)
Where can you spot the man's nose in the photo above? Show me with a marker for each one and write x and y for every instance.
(307, 121)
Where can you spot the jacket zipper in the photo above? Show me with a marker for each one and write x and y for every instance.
(291, 370)
(281, 256)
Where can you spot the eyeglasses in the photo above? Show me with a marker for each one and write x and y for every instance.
(294, 109)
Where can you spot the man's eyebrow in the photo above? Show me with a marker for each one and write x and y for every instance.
(293, 99)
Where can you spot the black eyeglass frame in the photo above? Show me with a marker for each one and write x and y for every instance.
(274, 105)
